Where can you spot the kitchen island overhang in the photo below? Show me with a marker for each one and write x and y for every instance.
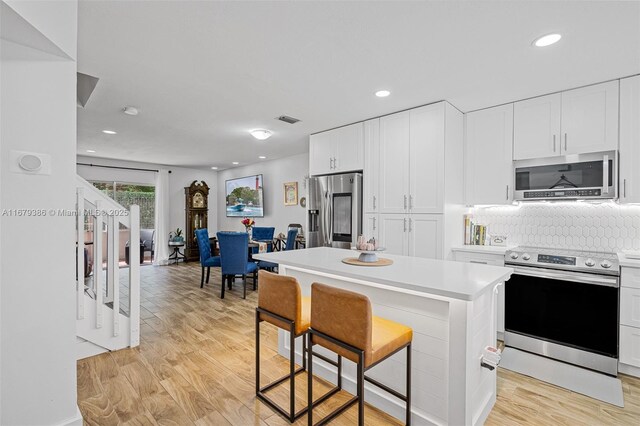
(451, 307)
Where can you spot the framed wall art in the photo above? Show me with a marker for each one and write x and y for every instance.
(291, 194)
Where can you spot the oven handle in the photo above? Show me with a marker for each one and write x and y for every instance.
(576, 277)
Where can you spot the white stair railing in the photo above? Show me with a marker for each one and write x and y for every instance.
(119, 330)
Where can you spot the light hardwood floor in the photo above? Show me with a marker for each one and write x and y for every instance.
(195, 366)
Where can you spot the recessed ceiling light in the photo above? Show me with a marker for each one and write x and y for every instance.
(109, 132)
(261, 134)
(262, 157)
(129, 110)
(214, 168)
(91, 151)
(235, 163)
(383, 93)
(547, 40)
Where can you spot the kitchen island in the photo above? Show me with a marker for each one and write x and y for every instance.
(450, 306)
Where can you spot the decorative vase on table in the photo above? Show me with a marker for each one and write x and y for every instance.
(248, 225)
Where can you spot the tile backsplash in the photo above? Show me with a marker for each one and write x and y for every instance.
(570, 225)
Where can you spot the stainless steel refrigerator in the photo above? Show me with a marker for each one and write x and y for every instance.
(334, 210)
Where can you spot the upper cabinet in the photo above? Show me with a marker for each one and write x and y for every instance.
(336, 151)
(536, 127)
(371, 169)
(590, 119)
(412, 147)
(630, 140)
(394, 167)
(488, 156)
(577, 121)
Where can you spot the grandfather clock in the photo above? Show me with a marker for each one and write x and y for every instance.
(196, 212)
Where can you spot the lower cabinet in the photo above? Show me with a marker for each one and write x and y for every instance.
(496, 259)
(630, 345)
(418, 235)
(630, 320)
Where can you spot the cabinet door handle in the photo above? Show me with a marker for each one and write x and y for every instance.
(479, 262)
(405, 224)
(330, 163)
(565, 142)
(410, 224)
(507, 192)
(374, 202)
(335, 163)
(374, 223)
(554, 143)
(405, 202)
(410, 202)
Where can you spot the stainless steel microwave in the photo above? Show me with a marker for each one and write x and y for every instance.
(569, 177)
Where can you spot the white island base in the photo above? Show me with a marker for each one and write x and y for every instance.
(449, 305)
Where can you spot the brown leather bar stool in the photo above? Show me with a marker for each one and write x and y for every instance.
(341, 321)
(280, 303)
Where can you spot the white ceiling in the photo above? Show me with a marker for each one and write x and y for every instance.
(204, 73)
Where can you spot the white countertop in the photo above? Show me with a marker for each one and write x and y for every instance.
(625, 261)
(483, 249)
(463, 281)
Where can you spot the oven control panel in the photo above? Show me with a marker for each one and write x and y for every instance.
(570, 260)
(557, 260)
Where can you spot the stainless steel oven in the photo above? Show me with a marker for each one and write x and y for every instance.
(564, 305)
(584, 176)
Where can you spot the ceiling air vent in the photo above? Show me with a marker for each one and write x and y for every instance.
(288, 119)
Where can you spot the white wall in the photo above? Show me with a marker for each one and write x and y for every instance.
(179, 178)
(37, 279)
(275, 174)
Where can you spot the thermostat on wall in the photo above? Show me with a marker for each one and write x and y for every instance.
(32, 163)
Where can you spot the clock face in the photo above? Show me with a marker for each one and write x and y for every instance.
(198, 200)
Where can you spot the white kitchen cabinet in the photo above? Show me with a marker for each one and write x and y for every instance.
(394, 164)
(349, 155)
(426, 159)
(321, 153)
(488, 156)
(630, 307)
(425, 236)
(536, 127)
(412, 145)
(590, 119)
(630, 140)
(630, 277)
(394, 233)
(336, 151)
(418, 235)
(496, 259)
(371, 226)
(371, 171)
(630, 345)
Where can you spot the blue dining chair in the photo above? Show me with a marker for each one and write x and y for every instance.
(263, 234)
(233, 258)
(291, 244)
(206, 260)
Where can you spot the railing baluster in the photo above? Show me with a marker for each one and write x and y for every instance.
(114, 260)
(97, 263)
(134, 276)
(110, 270)
(80, 253)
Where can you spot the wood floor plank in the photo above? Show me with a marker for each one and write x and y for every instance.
(195, 365)
(188, 398)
